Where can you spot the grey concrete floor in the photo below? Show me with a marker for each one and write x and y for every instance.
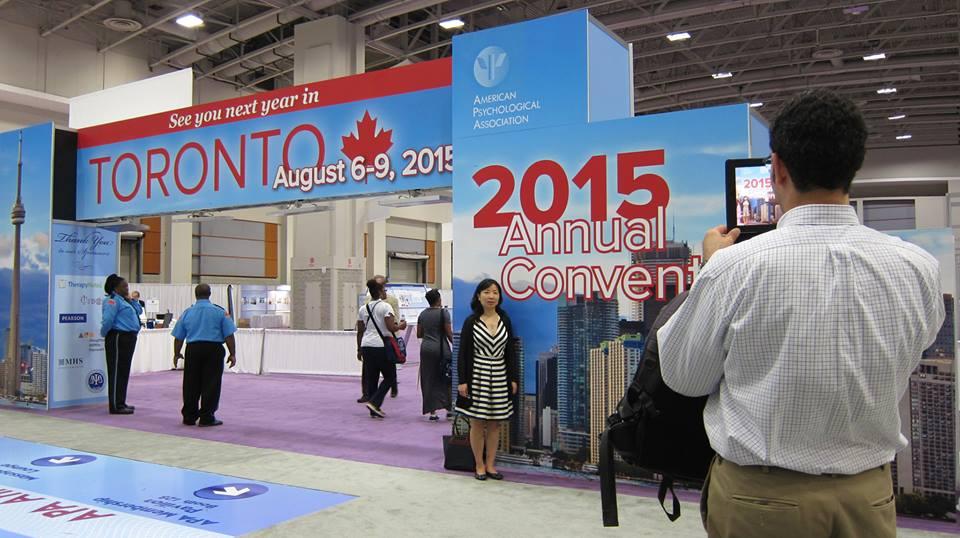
(391, 502)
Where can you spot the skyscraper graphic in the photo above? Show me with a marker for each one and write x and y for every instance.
(546, 393)
(11, 363)
(612, 366)
(516, 422)
(928, 415)
(581, 326)
(675, 253)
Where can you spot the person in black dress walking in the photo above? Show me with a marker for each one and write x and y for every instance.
(435, 330)
(487, 367)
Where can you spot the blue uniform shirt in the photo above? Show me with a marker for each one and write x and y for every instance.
(120, 315)
(204, 322)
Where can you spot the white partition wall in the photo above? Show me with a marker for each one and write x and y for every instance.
(155, 351)
(310, 352)
(176, 298)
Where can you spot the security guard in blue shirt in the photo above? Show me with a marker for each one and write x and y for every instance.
(205, 327)
(119, 328)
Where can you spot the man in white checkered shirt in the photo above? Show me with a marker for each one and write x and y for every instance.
(804, 338)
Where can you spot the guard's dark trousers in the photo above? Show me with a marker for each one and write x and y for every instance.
(202, 375)
(119, 348)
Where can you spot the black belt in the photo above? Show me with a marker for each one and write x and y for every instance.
(770, 469)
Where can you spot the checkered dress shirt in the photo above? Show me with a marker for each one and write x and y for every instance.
(805, 337)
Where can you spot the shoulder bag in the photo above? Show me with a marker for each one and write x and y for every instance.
(394, 345)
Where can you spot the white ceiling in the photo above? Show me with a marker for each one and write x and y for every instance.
(773, 48)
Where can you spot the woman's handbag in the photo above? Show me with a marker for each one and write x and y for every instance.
(457, 454)
(395, 347)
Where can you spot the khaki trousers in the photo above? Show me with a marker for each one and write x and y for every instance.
(747, 502)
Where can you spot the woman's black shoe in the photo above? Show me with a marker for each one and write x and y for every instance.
(495, 476)
(480, 476)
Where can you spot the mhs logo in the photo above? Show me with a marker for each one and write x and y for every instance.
(491, 66)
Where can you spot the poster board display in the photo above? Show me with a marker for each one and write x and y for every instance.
(412, 299)
(26, 169)
(83, 257)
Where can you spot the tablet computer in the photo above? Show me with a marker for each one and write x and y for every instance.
(751, 203)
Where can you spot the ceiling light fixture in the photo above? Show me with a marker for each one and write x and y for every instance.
(886, 91)
(875, 57)
(756, 105)
(897, 117)
(451, 24)
(678, 36)
(725, 74)
(190, 21)
(855, 10)
(905, 137)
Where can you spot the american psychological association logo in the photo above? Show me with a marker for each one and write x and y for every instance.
(96, 380)
(491, 66)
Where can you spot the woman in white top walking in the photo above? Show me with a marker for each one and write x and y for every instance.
(374, 319)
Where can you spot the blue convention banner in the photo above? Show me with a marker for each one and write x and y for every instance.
(300, 143)
(590, 229)
(24, 381)
(83, 256)
(51, 491)
(521, 76)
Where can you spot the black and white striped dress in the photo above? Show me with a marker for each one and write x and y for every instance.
(489, 388)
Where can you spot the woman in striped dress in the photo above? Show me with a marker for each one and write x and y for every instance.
(488, 363)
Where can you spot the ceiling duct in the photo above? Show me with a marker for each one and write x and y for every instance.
(123, 19)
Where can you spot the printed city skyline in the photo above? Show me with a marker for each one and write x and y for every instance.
(21, 380)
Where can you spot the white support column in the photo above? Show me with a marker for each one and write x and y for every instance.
(181, 252)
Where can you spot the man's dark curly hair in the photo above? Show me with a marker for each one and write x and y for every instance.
(820, 137)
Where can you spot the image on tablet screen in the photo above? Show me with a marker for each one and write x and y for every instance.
(756, 203)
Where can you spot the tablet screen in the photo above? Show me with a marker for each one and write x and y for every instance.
(756, 203)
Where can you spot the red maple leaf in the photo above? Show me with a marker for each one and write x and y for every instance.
(367, 143)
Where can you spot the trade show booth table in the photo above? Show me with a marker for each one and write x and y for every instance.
(264, 351)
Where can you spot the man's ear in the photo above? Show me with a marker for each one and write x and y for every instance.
(780, 173)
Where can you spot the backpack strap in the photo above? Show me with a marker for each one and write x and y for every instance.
(608, 482)
(667, 485)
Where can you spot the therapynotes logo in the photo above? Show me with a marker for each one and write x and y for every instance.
(491, 66)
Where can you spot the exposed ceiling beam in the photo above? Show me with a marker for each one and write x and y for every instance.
(857, 82)
(790, 72)
(246, 57)
(227, 31)
(711, 21)
(926, 32)
(78, 15)
(391, 9)
(439, 18)
(164, 19)
(678, 10)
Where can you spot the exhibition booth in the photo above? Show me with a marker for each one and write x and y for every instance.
(590, 218)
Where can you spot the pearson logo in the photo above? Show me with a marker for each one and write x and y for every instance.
(73, 318)
(491, 66)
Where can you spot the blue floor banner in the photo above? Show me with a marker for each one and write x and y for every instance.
(52, 491)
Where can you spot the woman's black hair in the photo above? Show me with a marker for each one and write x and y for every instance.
(375, 288)
(483, 285)
(111, 283)
(433, 297)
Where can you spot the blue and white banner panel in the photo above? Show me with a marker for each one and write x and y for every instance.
(51, 491)
(83, 257)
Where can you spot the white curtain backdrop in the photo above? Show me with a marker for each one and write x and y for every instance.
(310, 352)
(178, 297)
(155, 351)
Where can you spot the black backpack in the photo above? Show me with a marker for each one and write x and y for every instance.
(656, 429)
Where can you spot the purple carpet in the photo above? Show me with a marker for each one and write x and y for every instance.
(319, 415)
